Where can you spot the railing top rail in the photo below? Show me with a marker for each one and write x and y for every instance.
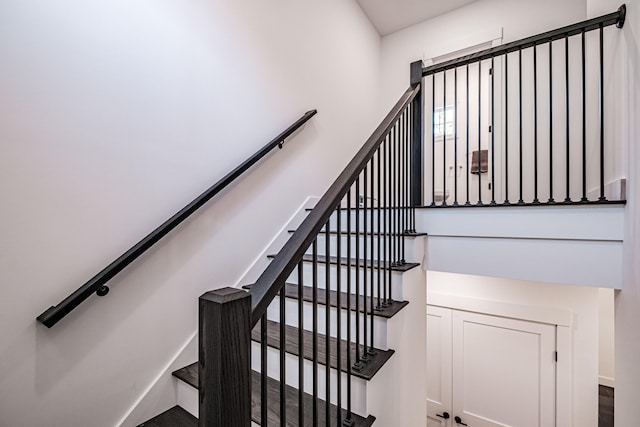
(54, 314)
(617, 18)
(273, 278)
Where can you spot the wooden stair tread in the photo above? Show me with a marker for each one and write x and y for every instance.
(291, 291)
(174, 417)
(273, 400)
(369, 369)
(369, 233)
(346, 261)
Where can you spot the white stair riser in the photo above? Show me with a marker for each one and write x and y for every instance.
(391, 247)
(396, 279)
(291, 318)
(358, 385)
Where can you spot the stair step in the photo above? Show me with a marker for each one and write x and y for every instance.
(369, 233)
(370, 368)
(189, 374)
(346, 261)
(174, 417)
(291, 291)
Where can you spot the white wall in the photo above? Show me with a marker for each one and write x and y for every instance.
(581, 301)
(113, 115)
(627, 301)
(606, 353)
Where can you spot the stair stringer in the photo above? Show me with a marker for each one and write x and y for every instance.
(165, 390)
(397, 394)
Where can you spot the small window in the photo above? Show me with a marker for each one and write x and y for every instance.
(443, 121)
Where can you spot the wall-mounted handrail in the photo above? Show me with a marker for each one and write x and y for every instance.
(617, 18)
(273, 278)
(97, 284)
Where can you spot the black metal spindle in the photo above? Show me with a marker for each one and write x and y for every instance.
(479, 133)
(392, 193)
(602, 197)
(391, 213)
(468, 175)
(314, 308)
(444, 139)
(263, 370)
(551, 200)
(358, 364)
(405, 175)
(380, 234)
(433, 141)
(283, 368)
(493, 133)
(506, 129)
(339, 316)
(584, 120)
(398, 192)
(348, 317)
(300, 343)
(365, 266)
(327, 316)
(520, 200)
(535, 125)
(386, 229)
(567, 199)
(455, 136)
(372, 172)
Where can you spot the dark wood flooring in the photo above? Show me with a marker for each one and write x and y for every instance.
(174, 417)
(605, 407)
(352, 262)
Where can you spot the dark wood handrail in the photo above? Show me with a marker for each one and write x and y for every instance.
(97, 284)
(617, 18)
(273, 278)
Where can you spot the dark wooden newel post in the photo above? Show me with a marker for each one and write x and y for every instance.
(417, 137)
(225, 358)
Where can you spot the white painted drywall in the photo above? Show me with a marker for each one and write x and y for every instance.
(114, 115)
(581, 301)
(606, 353)
(627, 301)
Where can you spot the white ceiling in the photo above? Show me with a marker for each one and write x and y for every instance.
(392, 15)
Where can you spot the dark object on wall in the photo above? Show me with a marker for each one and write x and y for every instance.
(483, 161)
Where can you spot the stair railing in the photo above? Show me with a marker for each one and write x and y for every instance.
(97, 284)
(522, 124)
(357, 232)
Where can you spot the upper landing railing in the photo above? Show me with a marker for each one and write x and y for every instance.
(97, 284)
(523, 123)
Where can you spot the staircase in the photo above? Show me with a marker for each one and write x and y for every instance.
(358, 367)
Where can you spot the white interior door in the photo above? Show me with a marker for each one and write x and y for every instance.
(439, 358)
(503, 371)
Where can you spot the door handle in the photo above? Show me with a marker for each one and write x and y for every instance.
(458, 420)
(444, 415)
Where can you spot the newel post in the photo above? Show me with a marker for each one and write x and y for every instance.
(225, 358)
(417, 142)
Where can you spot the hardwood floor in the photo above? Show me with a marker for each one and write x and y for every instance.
(605, 409)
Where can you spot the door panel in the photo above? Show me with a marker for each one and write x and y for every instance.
(438, 365)
(503, 371)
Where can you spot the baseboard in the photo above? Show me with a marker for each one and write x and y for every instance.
(606, 381)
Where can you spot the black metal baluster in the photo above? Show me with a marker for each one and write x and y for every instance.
(433, 141)
(327, 313)
(348, 419)
(387, 215)
(551, 200)
(567, 199)
(521, 200)
(444, 139)
(379, 213)
(358, 364)
(535, 125)
(283, 373)
(391, 211)
(584, 121)
(493, 133)
(365, 266)
(373, 258)
(405, 175)
(398, 192)
(468, 202)
(602, 197)
(455, 136)
(506, 129)
(300, 344)
(315, 330)
(480, 133)
(263, 370)
(339, 316)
